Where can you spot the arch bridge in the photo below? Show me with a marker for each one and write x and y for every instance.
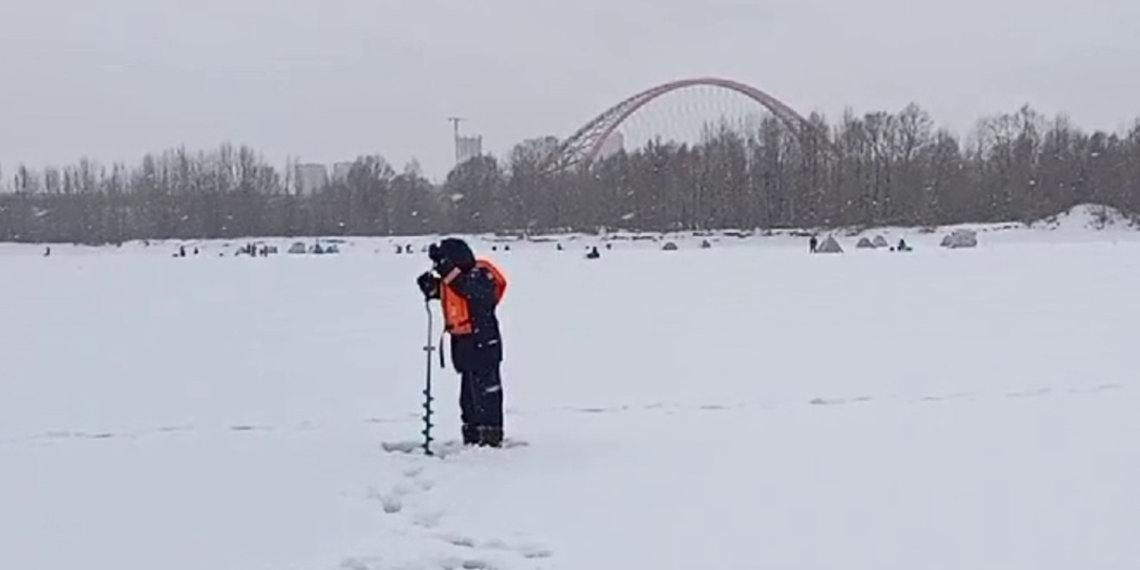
(584, 146)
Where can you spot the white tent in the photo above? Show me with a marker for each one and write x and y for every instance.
(880, 241)
(829, 245)
(960, 238)
(865, 243)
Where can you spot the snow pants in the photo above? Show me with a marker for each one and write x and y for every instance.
(481, 400)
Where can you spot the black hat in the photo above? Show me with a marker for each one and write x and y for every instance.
(458, 252)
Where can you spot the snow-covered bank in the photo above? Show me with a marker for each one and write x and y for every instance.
(743, 406)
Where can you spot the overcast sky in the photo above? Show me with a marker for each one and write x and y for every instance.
(331, 79)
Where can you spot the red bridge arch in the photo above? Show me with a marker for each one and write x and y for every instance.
(584, 145)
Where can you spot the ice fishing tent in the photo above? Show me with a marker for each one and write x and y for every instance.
(865, 243)
(829, 245)
(880, 241)
(670, 246)
(960, 238)
(705, 244)
(297, 247)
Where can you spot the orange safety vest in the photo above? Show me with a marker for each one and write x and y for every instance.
(456, 313)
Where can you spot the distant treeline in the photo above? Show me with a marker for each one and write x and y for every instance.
(877, 169)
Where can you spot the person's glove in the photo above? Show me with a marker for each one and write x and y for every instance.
(429, 285)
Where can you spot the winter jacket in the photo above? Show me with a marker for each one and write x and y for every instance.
(469, 301)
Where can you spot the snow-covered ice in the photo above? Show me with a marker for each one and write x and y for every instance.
(744, 406)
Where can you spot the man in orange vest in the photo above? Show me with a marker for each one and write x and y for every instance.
(470, 289)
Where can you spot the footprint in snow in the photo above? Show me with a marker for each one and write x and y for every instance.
(532, 551)
(360, 563)
(526, 550)
(954, 396)
(1029, 393)
(600, 409)
(389, 502)
(466, 564)
(400, 490)
(463, 541)
(427, 519)
(837, 401)
(827, 401)
(536, 553)
(1096, 389)
(383, 420)
(57, 435)
(100, 435)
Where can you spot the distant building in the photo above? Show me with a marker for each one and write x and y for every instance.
(340, 171)
(613, 144)
(540, 149)
(311, 177)
(467, 148)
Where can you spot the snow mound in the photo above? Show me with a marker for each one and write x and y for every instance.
(1087, 217)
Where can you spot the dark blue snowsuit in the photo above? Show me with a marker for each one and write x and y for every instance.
(476, 356)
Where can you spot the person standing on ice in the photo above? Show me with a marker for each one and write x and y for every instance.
(470, 290)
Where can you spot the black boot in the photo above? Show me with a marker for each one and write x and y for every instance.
(470, 435)
(490, 436)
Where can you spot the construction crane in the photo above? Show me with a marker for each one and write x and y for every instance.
(455, 127)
